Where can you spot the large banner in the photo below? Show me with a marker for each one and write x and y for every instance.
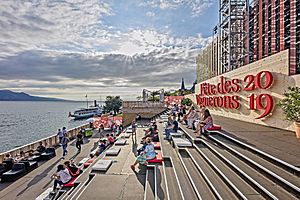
(107, 121)
(171, 100)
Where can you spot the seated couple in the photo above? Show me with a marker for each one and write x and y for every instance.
(204, 124)
(65, 173)
(61, 177)
(147, 154)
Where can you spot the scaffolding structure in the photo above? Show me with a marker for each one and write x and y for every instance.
(147, 94)
(232, 34)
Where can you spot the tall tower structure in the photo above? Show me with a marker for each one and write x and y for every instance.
(232, 34)
(182, 88)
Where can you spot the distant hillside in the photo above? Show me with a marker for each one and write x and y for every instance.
(7, 95)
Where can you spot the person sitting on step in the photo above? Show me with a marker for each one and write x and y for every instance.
(203, 125)
(171, 129)
(61, 177)
(147, 154)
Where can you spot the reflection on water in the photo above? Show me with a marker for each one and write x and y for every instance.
(23, 122)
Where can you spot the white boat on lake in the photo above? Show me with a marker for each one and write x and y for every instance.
(86, 112)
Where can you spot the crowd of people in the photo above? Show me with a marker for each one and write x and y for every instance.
(197, 119)
(24, 156)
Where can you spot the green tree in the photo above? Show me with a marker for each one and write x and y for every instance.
(113, 103)
(186, 101)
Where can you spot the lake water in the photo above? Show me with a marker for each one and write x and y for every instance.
(23, 122)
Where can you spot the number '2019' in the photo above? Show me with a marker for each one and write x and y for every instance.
(253, 82)
(263, 102)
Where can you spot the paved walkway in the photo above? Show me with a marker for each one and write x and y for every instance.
(34, 183)
(119, 181)
(279, 143)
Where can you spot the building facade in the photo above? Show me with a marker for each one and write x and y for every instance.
(274, 26)
(267, 27)
(250, 88)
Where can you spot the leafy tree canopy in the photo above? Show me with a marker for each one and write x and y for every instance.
(112, 103)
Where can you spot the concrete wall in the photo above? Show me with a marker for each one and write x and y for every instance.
(278, 64)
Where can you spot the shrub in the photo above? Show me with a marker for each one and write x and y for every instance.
(291, 104)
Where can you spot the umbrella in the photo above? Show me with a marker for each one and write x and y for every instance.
(90, 120)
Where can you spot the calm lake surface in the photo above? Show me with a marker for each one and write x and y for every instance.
(23, 122)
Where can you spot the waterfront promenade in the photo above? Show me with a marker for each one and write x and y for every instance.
(179, 177)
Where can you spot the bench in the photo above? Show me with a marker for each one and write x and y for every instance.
(182, 142)
(215, 127)
(94, 152)
(3, 168)
(88, 162)
(30, 165)
(114, 151)
(48, 154)
(120, 141)
(178, 134)
(83, 161)
(18, 170)
(158, 158)
(70, 183)
(102, 165)
(156, 145)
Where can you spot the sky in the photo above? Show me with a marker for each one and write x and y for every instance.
(70, 48)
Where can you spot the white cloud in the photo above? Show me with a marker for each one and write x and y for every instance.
(63, 49)
(150, 14)
(197, 6)
(39, 24)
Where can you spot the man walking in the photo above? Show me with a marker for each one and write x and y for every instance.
(64, 143)
(60, 135)
(133, 127)
(79, 141)
(64, 132)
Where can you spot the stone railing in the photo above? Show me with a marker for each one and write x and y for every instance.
(48, 141)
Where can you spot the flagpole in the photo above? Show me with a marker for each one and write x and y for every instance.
(87, 103)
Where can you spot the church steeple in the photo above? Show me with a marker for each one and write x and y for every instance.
(182, 85)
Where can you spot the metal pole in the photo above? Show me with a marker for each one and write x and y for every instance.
(87, 103)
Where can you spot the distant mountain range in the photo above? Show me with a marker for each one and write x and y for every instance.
(7, 95)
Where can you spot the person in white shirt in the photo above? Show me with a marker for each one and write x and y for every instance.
(62, 176)
(64, 131)
(60, 135)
